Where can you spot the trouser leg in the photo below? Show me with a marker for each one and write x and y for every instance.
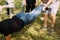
(28, 7)
(32, 6)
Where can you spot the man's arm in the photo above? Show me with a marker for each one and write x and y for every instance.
(48, 3)
(24, 2)
(42, 3)
(36, 3)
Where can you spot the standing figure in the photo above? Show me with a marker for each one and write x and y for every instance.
(50, 8)
(30, 4)
(10, 9)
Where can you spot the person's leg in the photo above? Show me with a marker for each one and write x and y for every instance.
(11, 13)
(46, 15)
(53, 14)
(53, 17)
(28, 8)
(12, 10)
(23, 8)
(45, 19)
(8, 13)
(7, 9)
(32, 6)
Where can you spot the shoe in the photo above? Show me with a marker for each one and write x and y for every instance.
(43, 28)
(51, 30)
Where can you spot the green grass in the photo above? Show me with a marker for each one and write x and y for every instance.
(31, 32)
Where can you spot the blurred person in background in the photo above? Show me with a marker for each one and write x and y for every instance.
(10, 10)
(30, 4)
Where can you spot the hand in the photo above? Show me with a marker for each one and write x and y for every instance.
(24, 3)
(44, 8)
(36, 4)
(44, 4)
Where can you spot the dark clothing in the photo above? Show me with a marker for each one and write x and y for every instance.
(30, 5)
(30, 1)
(11, 25)
(9, 10)
(18, 21)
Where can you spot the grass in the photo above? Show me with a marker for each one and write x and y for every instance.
(32, 32)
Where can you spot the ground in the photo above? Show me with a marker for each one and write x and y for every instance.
(32, 31)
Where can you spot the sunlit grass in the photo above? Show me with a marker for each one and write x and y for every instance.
(32, 31)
